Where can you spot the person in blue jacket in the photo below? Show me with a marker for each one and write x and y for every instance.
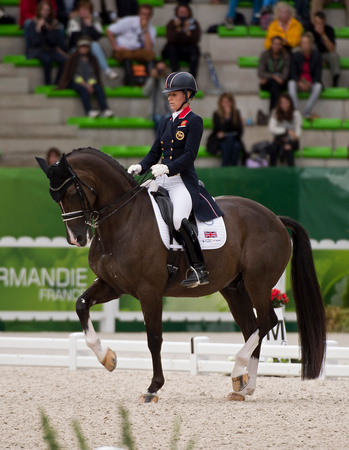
(176, 145)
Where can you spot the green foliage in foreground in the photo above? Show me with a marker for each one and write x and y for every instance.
(50, 434)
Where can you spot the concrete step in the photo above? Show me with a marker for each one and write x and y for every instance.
(20, 130)
(7, 70)
(31, 116)
(14, 85)
(13, 148)
(25, 101)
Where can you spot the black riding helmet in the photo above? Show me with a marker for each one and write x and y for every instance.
(181, 81)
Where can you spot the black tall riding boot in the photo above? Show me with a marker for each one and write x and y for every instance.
(196, 273)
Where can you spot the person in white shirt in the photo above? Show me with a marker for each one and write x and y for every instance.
(133, 38)
(285, 124)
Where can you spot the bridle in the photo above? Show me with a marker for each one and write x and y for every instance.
(91, 216)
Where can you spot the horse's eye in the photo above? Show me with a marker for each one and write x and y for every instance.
(72, 196)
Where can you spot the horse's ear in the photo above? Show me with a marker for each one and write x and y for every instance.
(43, 164)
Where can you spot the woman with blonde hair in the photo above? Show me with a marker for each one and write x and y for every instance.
(284, 25)
(227, 130)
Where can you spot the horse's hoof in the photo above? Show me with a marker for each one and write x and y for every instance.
(109, 361)
(240, 382)
(148, 398)
(235, 397)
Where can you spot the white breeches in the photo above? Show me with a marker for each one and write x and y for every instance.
(180, 197)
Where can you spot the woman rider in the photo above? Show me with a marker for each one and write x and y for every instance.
(177, 144)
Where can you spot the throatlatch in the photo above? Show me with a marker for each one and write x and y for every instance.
(196, 273)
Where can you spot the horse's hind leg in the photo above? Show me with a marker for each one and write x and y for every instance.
(244, 374)
(98, 292)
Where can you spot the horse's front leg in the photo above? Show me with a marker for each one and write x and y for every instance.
(152, 311)
(98, 292)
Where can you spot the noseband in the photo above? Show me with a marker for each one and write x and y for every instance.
(92, 217)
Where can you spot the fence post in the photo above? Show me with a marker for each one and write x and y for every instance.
(73, 350)
(194, 356)
(107, 324)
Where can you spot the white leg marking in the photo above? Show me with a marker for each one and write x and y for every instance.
(94, 343)
(242, 358)
(252, 373)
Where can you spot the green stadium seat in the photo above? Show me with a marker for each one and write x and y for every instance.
(344, 62)
(238, 31)
(21, 61)
(342, 33)
(252, 62)
(346, 124)
(119, 122)
(161, 31)
(116, 92)
(208, 123)
(123, 151)
(256, 31)
(11, 30)
(9, 2)
(316, 152)
(306, 124)
(327, 124)
(341, 153)
(336, 93)
(111, 122)
(248, 61)
(154, 3)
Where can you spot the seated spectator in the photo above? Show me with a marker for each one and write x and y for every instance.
(317, 5)
(302, 11)
(53, 155)
(65, 10)
(325, 42)
(183, 35)
(126, 8)
(133, 38)
(27, 10)
(227, 131)
(285, 26)
(82, 74)
(285, 124)
(274, 70)
(85, 24)
(154, 87)
(305, 76)
(44, 40)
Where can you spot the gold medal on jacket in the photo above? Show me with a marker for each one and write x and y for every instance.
(179, 135)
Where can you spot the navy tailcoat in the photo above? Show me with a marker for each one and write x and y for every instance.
(177, 144)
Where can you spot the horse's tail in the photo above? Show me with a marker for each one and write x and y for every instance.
(310, 309)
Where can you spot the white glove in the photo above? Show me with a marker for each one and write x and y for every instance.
(159, 169)
(135, 168)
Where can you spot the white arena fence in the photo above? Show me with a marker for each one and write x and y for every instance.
(198, 357)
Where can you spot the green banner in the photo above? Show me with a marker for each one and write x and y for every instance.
(43, 279)
(317, 197)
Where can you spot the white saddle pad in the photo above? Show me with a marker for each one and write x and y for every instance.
(211, 235)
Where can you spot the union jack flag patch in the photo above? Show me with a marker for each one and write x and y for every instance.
(210, 234)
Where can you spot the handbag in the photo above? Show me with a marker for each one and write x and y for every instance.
(213, 144)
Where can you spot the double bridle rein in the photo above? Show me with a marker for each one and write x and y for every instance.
(91, 216)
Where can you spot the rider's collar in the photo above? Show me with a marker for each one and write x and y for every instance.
(181, 114)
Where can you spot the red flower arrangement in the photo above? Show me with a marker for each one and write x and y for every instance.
(278, 299)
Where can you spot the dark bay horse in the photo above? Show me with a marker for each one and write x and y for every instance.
(128, 257)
